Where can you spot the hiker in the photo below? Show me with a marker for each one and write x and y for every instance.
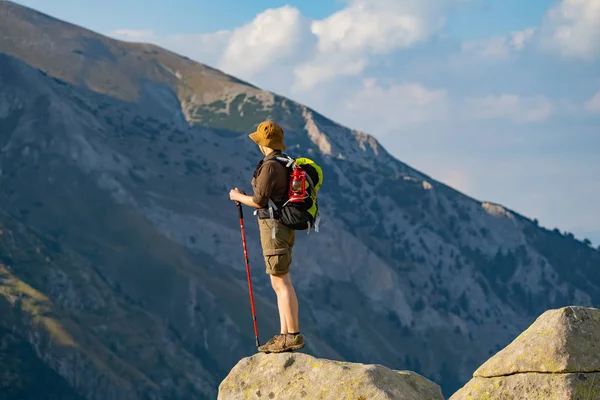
(270, 184)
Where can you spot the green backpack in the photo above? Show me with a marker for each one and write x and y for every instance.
(301, 210)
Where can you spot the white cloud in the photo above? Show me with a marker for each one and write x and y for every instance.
(593, 104)
(323, 68)
(499, 47)
(518, 39)
(572, 29)
(398, 106)
(569, 29)
(377, 26)
(511, 107)
(134, 34)
(366, 28)
(274, 35)
(342, 44)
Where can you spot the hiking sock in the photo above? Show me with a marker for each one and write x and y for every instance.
(293, 334)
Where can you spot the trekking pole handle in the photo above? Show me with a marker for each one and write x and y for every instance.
(239, 205)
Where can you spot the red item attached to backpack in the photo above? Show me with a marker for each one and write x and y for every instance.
(297, 191)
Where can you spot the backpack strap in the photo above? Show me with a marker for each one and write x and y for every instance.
(315, 226)
(272, 209)
(310, 182)
(271, 203)
(287, 160)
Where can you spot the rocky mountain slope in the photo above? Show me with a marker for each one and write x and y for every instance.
(121, 259)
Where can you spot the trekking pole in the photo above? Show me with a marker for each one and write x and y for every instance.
(239, 206)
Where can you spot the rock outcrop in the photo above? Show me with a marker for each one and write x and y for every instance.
(300, 376)
(556, 358)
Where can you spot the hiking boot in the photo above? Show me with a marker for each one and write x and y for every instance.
(271, 343)
(289, 343)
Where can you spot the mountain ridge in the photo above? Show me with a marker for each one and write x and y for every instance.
(14, 9)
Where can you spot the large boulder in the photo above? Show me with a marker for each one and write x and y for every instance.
(556, 358)
(299, 376)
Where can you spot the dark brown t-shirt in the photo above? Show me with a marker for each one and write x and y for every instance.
(270, 180)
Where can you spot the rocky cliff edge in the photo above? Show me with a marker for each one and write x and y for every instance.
(299, 376)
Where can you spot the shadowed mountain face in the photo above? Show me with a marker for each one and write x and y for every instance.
(24, 376)
(121, 267)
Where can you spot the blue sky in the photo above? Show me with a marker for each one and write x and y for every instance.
(476, 18)
(498, 98)
(170, 16)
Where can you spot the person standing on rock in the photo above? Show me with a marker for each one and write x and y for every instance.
(270, 183)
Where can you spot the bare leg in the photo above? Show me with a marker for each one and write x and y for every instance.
(276, 283)
(282, 321)
(287, 302)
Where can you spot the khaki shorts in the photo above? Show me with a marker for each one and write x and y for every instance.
(278, 251)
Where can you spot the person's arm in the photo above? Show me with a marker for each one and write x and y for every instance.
(236, 195)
